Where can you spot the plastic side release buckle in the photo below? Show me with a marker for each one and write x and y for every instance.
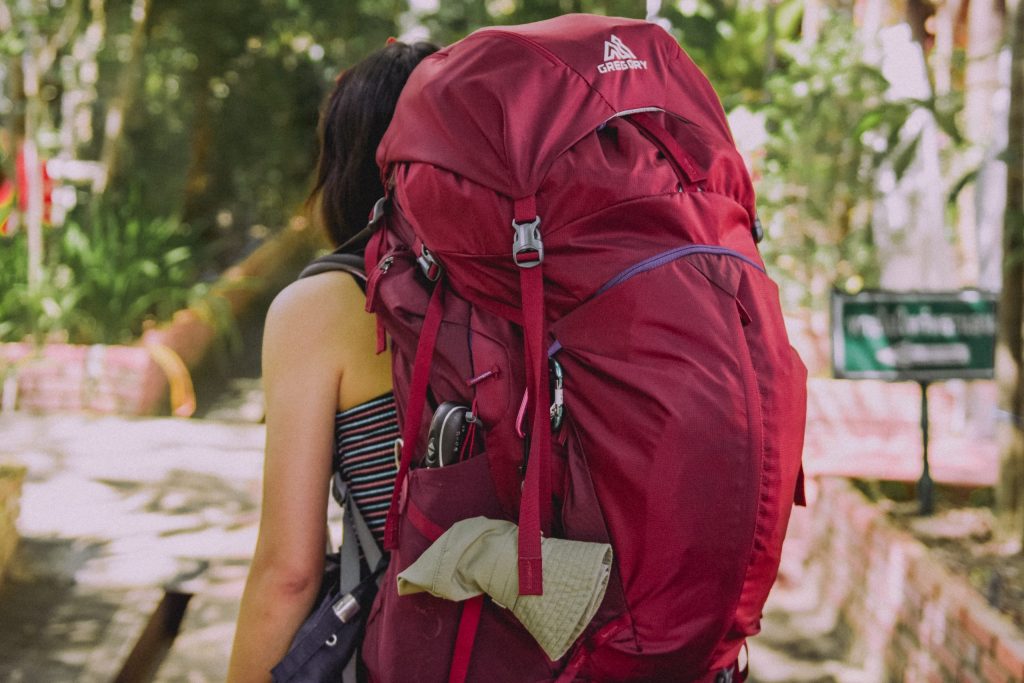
(527, 246)
(428, 264)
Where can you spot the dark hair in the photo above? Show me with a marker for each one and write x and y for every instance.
(353, 122)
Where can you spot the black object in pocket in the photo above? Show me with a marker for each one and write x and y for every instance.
(325, 643)
(452, 424)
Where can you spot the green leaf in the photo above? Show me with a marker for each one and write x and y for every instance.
(906, 156)
(965, 180)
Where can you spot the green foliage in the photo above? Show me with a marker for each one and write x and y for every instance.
(830, 130)
(737, 44)
(222, 133)
(25, 313)
(102, 282)
(227, 125)
(454, 19)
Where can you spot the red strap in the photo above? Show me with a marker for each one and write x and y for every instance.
(423, 524)
(535, 507)
(686, 168)
(375, 249)
(415, 404)
(468, 624)
(525, 209)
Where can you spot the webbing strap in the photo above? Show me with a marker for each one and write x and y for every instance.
(469, 623)
(686, 168)
(800, 494)
(535, 507)
(415, 403)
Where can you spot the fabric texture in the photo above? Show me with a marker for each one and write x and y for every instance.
(365, 456)
(478, 555)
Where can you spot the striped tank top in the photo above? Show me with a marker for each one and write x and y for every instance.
(364, 438)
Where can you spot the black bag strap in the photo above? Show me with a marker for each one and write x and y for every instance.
(338, 261)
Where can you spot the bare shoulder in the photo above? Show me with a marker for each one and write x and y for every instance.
(319, 296)
(317, 314)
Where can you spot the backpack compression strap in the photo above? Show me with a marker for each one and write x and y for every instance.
(535, 507)
(416, 402)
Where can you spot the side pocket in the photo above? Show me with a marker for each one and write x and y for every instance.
(583, 520)
(441, 496)
(421, 623)
(411, 638)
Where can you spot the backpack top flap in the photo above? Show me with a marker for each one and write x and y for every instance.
(499, 106)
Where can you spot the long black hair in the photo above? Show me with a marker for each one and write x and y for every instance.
(353, 122)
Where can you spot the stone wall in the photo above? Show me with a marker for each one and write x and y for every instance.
(11, 478)
(910, 618)
(67, 377)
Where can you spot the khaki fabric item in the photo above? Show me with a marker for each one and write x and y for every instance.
(479, 555)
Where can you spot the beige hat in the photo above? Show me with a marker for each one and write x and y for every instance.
(480, 555)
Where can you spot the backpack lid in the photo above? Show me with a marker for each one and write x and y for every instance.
(499, 106)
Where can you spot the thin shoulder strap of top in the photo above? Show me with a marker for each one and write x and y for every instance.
(337, 261)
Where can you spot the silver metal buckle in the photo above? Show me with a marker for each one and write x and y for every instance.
(527, 246)
(346, 608)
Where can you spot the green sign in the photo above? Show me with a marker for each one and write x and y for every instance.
(914, 335)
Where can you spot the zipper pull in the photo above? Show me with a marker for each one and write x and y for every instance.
(371, 282)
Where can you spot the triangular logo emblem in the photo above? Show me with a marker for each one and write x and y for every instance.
(614, 49)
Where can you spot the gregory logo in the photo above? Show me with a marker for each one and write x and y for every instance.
(618, 57)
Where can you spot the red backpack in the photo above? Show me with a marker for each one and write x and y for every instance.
(569, 247)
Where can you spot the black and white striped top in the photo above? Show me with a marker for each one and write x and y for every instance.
(364, 438)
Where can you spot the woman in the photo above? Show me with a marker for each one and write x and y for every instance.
(327, 391)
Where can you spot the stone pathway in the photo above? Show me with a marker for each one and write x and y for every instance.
(118, 511)
(800, 640)
(114, 513)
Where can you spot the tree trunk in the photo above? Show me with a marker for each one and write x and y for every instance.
(980, 202)
(32, 164)
(1010, 490)
(128, 87)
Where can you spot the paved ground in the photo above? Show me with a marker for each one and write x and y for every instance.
(800, 641)
(117, 512)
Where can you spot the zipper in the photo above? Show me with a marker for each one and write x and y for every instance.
(665, 257)
(494, 371)
(382, 267)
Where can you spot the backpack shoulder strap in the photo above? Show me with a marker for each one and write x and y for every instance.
(357, 538)
(338, 261)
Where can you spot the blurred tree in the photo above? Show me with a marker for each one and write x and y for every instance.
(230, 101)
(739, 45)
(454, 19)
(37, 31)
(1010, 355)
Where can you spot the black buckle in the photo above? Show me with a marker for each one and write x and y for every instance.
(757, 230)
(527, 246)
(379, 209)
(724, 676)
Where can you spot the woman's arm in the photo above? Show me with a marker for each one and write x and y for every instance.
(308, 330)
